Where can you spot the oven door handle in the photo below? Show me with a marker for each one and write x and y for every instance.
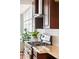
(29, 52)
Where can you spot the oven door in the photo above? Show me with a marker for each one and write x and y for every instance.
(27, 53)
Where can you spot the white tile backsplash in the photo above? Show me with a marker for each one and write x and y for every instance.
(53, 32)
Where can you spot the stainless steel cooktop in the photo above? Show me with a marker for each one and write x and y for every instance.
(37, 44)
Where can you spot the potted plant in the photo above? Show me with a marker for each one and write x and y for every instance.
(25, 36)
(34, 35)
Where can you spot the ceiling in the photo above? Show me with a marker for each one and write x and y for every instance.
(26, 1)
(24, 5)
(23, 8)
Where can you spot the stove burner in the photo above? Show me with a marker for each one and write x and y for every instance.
(38, 44)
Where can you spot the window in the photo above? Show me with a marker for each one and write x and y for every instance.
(27, 19)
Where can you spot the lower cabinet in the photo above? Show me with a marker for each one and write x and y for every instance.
(28, 52)
(37, 55)
(40, 56)
(26, 56)
(34, 57)
(50, 57)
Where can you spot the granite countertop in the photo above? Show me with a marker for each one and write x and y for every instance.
(52, 50)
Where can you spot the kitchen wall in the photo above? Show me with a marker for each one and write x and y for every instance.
(21, 24)
(21, 45)
(53, 32)
(23, 8)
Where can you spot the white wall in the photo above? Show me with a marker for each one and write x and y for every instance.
(21, 24)
(21, 45)
(53, 32)
(24, 7)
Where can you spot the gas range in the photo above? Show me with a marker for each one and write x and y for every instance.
(37, 44)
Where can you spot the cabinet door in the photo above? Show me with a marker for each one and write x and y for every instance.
(35, 6)
(38, 6)
(34, 57)
(51, 12)
(26, 56)
(50, 57)
(42, 56)
(46, 13)
(54, 14)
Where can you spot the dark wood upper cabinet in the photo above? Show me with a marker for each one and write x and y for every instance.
(46, 13)
(49, 9)
(54, 14)
(51, 12)
(38, 6)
